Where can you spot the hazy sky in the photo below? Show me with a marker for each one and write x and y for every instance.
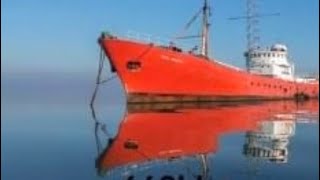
(61, 35)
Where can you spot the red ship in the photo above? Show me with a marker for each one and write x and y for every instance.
(169, 132)
(154, 73)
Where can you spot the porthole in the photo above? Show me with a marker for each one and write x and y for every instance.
(134, 65)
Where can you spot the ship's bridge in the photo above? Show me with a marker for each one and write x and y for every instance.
(272, 61)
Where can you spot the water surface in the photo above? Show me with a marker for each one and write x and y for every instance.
(46, 139)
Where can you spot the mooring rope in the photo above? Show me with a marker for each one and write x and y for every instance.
(101, 62)
(98, 78)
(98, 124)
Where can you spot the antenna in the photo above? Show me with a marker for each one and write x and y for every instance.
(253, 36)
(252, 18)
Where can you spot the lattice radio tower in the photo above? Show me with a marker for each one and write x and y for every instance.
(253, 33)
(252, 17)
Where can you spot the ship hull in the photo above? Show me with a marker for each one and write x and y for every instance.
(151, 73)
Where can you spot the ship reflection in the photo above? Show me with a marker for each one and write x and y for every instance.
(179, 141)
(270, 142)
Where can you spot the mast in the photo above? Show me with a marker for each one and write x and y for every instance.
(205, 30)
(204, 166)
(253, 37)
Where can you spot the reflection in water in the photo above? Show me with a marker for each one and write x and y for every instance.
(178, 141)
(270, 141)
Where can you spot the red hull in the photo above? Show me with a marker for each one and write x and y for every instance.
(148, 70)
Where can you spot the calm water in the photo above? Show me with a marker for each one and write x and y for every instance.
(52, 138)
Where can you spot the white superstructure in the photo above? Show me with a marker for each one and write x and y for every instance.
(272, 61)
